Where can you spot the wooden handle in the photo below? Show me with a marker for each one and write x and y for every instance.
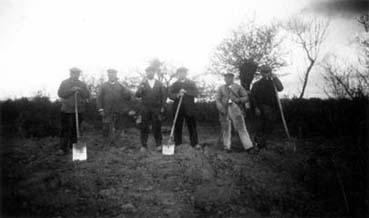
(283, 118)
(175, 117)
(76, 113)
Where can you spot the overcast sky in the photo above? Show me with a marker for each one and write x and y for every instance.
(41, 39)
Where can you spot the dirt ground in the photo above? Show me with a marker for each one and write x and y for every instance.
(120, 181)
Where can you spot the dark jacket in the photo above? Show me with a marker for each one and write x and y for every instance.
(67, 95)
(113, 98)
(188, 102)
(155, 97)
(263, 93)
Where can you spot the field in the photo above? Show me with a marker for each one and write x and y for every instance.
(120, 181)
(325, 177)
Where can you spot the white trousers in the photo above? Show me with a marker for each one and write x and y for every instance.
(234, 117)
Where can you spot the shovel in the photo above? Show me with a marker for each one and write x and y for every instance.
(79, 148)
(168, 149)
(290, 142)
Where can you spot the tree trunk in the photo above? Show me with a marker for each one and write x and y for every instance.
(306, 78)
(247, 72)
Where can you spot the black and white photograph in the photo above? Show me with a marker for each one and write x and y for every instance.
(184, 108)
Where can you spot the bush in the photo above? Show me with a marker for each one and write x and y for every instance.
(39, 117)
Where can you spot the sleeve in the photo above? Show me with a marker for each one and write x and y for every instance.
(192, 89)
(278, 84)
(99, 98)
(173, 91)
(64, 91)
(253, 94)
(127, 94)
(218, 99)
(140, 90)
(164, 95)
(243, 95)
(85, 93)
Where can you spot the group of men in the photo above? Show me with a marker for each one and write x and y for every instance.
(113, 105)
(232, 98)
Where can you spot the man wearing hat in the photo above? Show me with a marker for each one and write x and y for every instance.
(229, 98)
(186, 88)
(153, 95)
(265, 103)
(67, 91)
(113, 105)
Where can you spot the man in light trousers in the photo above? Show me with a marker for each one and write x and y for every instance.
(228, 99)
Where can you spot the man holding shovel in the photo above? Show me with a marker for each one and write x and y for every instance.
(229, 98)
(186, 89)
(265, 103)
(112, 103)
(153, 95)
(70, 89)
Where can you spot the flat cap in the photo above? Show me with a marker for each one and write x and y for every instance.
(111, 70)
(151, 68)
(228, 75)
(182, 69)
(75, 70)
(265, 68)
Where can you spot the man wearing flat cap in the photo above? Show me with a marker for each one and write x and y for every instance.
(229, 100)
(67, 91)
(153, 95)
(264, 101)
(112, 103)
(186, 88)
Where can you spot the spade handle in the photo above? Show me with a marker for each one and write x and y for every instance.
(175, 117)
(76, 113)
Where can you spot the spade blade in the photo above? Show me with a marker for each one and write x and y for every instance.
(79, 151)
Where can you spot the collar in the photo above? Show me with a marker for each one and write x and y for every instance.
(267, 78)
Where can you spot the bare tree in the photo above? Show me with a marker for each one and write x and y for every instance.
(93, 83)
(248, 47)
(364, 20)
(132, 82)
(363, 40)
(207, 90)
(344, 80)
(310, 34)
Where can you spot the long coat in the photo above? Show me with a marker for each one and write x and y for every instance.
(153, 98)
(113, 98)
(67, 95)
(263, 92)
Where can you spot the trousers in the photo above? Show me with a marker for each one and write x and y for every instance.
(68, 133)
(234, 117)
(151, 117)
(265, 123)
(113, 124)
(190, 119)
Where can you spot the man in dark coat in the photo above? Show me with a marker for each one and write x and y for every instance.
(186, 88)
(67, 91)
(265, 103)
(153, 95)
(113, 105)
